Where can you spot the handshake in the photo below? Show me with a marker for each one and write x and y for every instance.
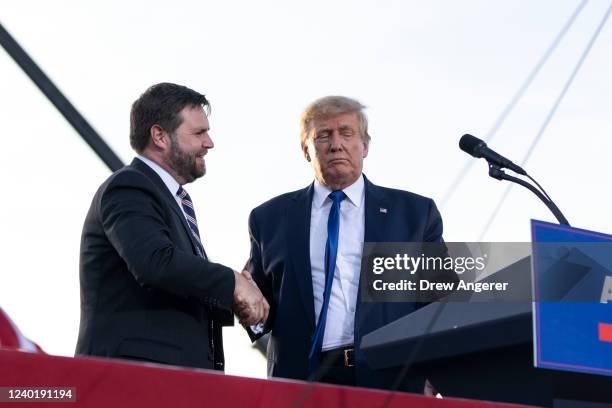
(249, 304)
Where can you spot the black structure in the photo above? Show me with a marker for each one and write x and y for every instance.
(57, 98)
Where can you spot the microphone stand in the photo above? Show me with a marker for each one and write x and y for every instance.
(497, 173)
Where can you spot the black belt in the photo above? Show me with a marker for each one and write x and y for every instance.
(340, 357)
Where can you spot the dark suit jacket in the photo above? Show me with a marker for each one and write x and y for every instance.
(280, 264)
(145, 293)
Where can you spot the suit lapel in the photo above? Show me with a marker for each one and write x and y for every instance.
(377, 210)
(170, 200)
(298, 238)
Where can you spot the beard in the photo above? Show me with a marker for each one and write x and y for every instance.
(185, 164)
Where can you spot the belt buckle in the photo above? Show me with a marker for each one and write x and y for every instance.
(347, 362)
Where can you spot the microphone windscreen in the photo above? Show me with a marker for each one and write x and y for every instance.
(471, 145)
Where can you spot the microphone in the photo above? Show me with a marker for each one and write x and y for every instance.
(478, 148)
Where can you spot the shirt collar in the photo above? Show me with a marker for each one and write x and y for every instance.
(354, 193)
(168, 180)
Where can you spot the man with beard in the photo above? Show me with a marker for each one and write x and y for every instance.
(148, 289)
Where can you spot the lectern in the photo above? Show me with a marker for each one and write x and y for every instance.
(481, 350)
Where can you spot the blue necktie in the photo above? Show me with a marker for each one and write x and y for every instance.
(187, 205)
(331, 250)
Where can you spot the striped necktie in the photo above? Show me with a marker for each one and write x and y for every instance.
(190, 216)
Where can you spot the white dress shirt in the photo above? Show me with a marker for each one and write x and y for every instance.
(339, 330)
(168, 180)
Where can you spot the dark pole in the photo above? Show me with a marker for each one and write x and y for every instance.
(58, 99)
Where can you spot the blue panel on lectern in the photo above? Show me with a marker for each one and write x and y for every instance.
(572, 280)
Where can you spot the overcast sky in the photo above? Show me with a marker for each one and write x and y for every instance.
(429, 71)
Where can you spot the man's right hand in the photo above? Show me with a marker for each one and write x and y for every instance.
(249, 304)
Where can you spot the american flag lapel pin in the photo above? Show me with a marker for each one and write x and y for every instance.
(382, 210)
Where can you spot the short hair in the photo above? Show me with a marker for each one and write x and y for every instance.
(331, 106)
(161, 105)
